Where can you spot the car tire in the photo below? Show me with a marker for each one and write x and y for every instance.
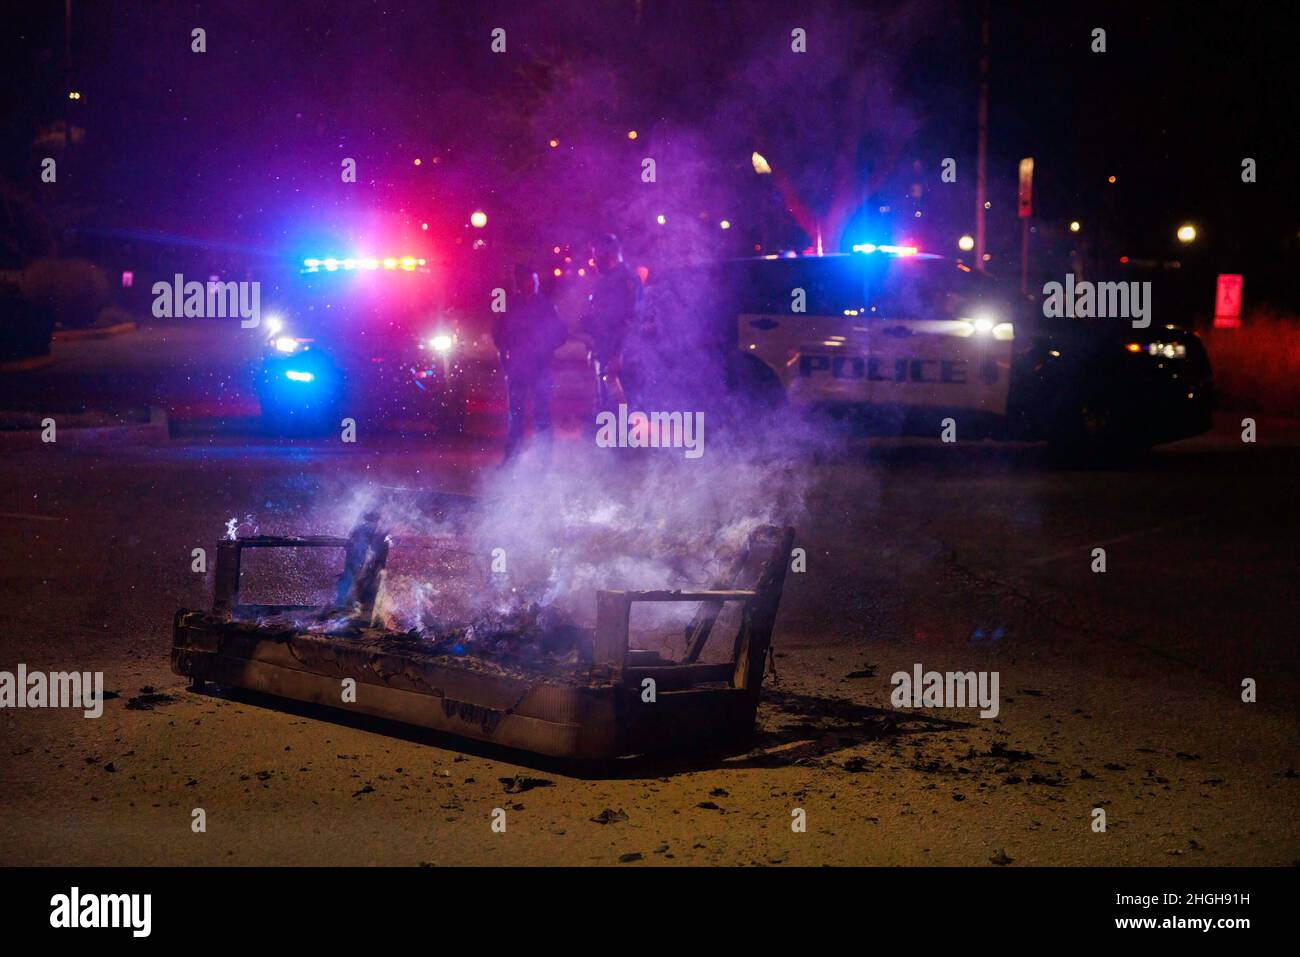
(1091, 432)
(753, 386)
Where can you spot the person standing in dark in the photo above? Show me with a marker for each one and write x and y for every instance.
(613, 310)
(526, 336)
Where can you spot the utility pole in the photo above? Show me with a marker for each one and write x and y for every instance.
(981, 164)
(67, 77)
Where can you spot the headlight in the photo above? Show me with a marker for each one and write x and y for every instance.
(1162, 350)
(285, 344)
(441, 343)
(986, 324)
(1167, 350)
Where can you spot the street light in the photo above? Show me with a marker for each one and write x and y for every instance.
(478, 219)
(1186, 233)
(760, 164)
(1074, 226)
(966, 244)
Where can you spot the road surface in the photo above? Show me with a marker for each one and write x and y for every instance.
(1119, 691)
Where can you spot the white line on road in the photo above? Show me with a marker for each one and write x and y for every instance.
(1074, 552)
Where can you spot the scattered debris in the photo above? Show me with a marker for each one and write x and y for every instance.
(629, 858)
(1000, 858)
(998, 750)
(521, 783)
(608, 816)
(148, 699)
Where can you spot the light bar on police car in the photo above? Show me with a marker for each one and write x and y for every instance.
(405, 263)
(893, 250)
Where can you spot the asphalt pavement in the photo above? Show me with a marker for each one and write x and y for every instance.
(1121, 690)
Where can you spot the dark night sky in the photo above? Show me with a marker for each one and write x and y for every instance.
(241, 143)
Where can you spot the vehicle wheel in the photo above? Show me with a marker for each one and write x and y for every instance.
(753, 387)
(1091, 432)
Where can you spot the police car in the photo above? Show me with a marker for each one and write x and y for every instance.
(903, 340)
(361, 336)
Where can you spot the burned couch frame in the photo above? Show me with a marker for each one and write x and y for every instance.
(601, 708)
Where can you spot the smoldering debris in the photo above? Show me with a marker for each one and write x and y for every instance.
(511, 575)
(531, 636)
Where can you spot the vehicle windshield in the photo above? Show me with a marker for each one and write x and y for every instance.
(884, 286)
(929, 289)
(332, 303)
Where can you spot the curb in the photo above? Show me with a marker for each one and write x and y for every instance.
(72, 335)
(153, 432)
(26, 365)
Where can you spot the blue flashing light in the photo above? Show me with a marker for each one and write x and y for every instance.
(295, 375)
(888, 249)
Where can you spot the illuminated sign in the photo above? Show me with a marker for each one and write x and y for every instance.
(1227, 301)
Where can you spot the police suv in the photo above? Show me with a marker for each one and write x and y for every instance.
(905, 340)
(359, 335)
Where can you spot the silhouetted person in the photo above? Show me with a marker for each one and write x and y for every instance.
(613, 310)
(527, 335)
